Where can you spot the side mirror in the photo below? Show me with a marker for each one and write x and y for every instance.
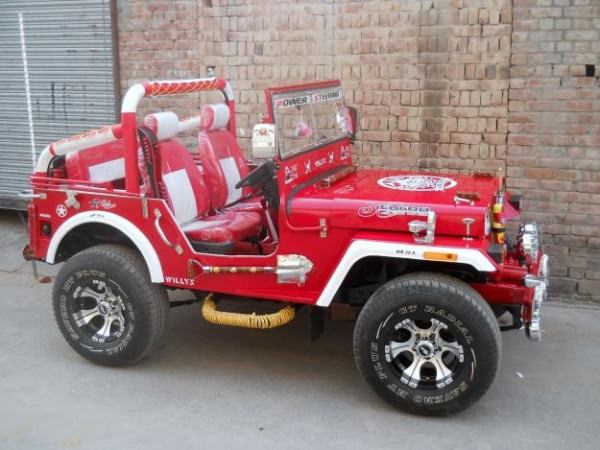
(350, 122)
(263, 141)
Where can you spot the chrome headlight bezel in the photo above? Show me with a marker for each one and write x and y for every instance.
(529, 240)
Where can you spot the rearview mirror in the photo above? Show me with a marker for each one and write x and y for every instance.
(352, 122)
(263, 141)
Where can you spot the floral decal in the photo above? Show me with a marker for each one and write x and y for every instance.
(417, 183)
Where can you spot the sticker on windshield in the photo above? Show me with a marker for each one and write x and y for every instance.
(417, 183)
(307, 98)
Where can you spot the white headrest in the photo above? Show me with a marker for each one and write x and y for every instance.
(164, 125)
(214, 117)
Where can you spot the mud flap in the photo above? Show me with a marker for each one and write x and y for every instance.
(316, 322)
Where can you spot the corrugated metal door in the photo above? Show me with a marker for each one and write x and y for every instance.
(70, 53)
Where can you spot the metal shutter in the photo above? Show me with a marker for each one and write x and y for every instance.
(72, 80)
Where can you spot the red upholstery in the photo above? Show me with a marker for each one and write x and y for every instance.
(186, 191)
(224, 162)
(188, 197)
(224, 165)
(253, 204)
(227, 227)
(102, 163)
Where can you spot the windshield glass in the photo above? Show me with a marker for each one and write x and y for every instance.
(306, 119)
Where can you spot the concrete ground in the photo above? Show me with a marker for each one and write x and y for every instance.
(216, 387)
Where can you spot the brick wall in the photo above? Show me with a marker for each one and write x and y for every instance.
(554, 134)
(159, 40)
(431, 81)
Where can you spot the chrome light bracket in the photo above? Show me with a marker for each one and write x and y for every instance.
(417, 227)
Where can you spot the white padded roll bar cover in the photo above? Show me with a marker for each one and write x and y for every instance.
(165, 125)
(74, 144)
(83, 141)
(214, 117)
(189, 123)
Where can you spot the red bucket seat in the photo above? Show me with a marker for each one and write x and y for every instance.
(186, 193)
(224, 162)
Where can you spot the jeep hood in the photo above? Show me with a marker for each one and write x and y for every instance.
(389, 200)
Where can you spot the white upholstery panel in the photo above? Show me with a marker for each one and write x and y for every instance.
(108, 171)
(232, 176)
(182, 196)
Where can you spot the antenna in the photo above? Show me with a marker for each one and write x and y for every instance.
(27, 90)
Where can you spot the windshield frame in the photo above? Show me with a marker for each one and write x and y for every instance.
(309, 89)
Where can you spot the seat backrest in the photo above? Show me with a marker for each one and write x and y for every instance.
(222, 158)
(100, 164)
(184, 188)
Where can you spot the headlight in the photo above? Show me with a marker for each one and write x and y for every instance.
(529, 240)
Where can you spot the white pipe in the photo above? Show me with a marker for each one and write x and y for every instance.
(133, 96)
(44, 161)
(27, 90)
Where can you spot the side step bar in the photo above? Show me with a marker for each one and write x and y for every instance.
(258, 321)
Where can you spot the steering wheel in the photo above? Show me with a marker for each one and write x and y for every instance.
(259, 177)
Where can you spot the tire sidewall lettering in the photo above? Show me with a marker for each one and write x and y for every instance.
(451, 318)
(67, 295)
(383, 370)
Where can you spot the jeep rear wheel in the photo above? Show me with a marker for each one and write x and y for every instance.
(107, 308)
(427, 343)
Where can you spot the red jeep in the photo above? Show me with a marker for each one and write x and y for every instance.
(422, 257)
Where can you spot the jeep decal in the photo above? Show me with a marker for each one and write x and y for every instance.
(387, 210)
(417, 183)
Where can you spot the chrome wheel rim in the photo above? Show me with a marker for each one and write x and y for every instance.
(98, 312)
(424, 353)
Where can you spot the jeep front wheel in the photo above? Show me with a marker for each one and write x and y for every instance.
(428, 344)
(107, 308)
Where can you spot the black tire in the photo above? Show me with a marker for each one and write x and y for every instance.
(428, 344)
(107, 308)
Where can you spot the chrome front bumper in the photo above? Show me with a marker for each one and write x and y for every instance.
(539, 283)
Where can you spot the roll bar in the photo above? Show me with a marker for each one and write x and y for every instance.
(127, 129)
(172, 87)
(158, 89)
(76, 143)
